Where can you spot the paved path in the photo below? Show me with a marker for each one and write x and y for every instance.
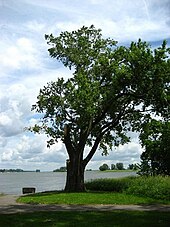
(8, 205)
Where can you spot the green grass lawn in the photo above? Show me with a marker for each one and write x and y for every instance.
(129, 190)
(88, 198)
(80, 219)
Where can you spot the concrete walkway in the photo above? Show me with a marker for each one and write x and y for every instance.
(8, 205)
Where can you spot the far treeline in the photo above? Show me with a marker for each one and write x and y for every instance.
(119, 166)
(17, 170)
(11, 170)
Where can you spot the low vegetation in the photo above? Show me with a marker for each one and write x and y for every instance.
(77, 218)
(129, 190)
(111, 185)
(157, 187)
(154, 187)
(87, 198)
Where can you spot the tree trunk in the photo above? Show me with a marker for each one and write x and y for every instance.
(76, 165)
(75, 174)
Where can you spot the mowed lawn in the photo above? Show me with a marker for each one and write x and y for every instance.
(88, 198)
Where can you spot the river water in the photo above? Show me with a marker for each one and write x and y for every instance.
(12, 183)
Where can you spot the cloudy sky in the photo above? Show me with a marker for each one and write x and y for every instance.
(25, 66)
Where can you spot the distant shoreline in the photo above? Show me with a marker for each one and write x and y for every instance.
(18, 171)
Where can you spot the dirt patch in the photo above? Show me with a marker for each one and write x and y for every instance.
(8, 200)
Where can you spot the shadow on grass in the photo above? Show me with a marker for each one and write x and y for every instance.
(90, 218)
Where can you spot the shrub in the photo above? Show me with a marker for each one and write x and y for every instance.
(112, 185)
(157, 187)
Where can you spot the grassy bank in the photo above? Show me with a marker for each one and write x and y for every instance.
(114, 218)
(129, 190)
(88, 198)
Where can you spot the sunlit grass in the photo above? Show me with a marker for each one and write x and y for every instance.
(87, 198)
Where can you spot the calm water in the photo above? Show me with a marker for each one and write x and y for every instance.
(12, 183)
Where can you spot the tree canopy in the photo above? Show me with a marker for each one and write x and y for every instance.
(104, 167)
(112, 91)
(155, 138)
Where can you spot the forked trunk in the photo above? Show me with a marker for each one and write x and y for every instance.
(76, 165)
(75, 175)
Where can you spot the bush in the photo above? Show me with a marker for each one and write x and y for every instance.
(157, 187)
(112, 185)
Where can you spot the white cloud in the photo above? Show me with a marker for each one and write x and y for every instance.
(7, 155)
(4, 120)
(14, 108)
(33, 149)
(22, 54)
(35, 26)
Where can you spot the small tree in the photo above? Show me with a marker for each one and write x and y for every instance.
(136, 166)
(112, 90)
(155, 138)
(104, 167)
(131, 166)
(113, 166)
(119, 166)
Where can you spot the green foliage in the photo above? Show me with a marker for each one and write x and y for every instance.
(152, 187)
(130, 166)
(11, 170)
(111, 185)
(155, 138)
(107, 87)
(61, 169)
(133, 166)
(113, 166)
(104, 167)
(119, 166)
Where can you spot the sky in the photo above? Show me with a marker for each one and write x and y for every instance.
(25, 67)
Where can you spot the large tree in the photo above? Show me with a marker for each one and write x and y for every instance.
(112, 90)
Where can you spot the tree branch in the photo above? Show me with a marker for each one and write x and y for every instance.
(100, 117)
(84, 135)
(67, 140)
(93, 150)
(103, 130)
